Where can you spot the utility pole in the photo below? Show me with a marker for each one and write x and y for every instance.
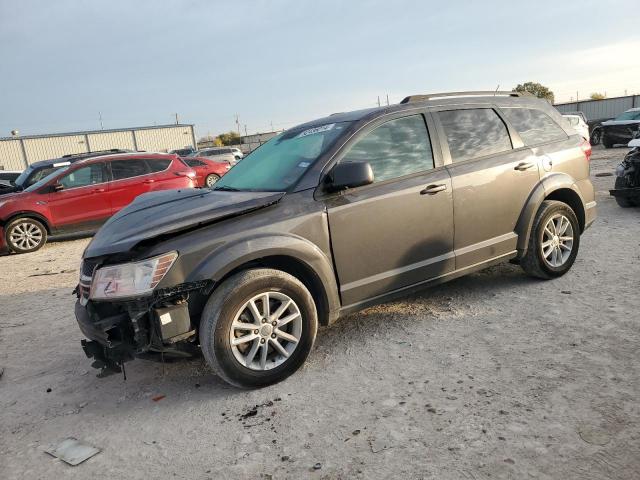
(272, 125)
(177, 122)
(378, 100)
(101, 125)
(238, 124)
(245, 130)
(387, 99)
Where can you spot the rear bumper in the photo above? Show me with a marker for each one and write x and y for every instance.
(590, 214)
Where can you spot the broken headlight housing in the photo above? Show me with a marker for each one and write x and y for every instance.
(130, 279)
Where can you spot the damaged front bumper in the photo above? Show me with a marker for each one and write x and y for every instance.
(157, 327)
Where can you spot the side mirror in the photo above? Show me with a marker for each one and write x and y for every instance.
(56, 187)
(349, 175)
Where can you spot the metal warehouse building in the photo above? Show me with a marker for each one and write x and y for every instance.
(601, 109)
(16, 153)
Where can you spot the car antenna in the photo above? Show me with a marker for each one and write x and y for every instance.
(496, 91)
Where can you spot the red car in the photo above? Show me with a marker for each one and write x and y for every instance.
(83, 195)
(208, 171)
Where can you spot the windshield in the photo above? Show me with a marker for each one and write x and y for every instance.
(629, 115)
(278, 164)
(32, 175)
(46, 179)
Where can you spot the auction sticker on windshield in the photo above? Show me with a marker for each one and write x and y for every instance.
(311, 131)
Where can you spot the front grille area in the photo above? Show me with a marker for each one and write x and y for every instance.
(86, 276)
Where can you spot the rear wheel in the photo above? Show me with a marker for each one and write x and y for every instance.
(258, 327)
(211, 180)
(624, 202)
(554, 241)
(596, 136)
(24, 235)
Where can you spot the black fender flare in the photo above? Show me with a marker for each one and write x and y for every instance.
(233, 256)
(555, 182)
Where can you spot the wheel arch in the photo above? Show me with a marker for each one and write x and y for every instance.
(558, 187)
(293, 255)
(29, 214)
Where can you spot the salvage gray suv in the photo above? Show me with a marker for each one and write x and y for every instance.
(328, 218)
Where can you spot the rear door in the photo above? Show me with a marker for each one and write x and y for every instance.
(130, 177)
(492, 174)
(397, 231)
(83, 202)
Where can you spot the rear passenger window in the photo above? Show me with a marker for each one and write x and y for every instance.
(474, 133)
(194, 163)
(534, 126)
(158, 164)
(122, 169)
(394, 149)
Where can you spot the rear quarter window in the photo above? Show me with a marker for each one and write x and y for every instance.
(474, 133)
(534, 126)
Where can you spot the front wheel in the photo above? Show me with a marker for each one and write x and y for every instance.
(554, 241)
(258, 327)
(24, 235)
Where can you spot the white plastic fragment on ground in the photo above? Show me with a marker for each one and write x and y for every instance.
(72, 451)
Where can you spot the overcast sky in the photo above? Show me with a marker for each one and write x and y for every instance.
(282, 62)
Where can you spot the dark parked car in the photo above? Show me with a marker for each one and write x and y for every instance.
(7, 177)
(38, 170)
(622, 129)
(330, 217)
(80, 196)
(627, 186)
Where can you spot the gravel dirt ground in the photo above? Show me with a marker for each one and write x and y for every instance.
(494, 375)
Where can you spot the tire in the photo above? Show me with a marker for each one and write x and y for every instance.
(606, 142)
(596, 136)
(229, 301)
(211, 180)
(24, 235)
(535, 262)
(624, 202)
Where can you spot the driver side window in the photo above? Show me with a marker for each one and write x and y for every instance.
(394, 149)
(84, 176)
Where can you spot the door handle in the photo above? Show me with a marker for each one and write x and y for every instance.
(522, 166)
(149, 181)
(433, 189)
(97, 190)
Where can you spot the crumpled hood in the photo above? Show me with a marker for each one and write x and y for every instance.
(171, 211)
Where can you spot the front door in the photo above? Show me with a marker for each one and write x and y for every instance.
(491, 182)
(82, 203)
(397, 231)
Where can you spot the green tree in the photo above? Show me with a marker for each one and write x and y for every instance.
(536, 89)
(597, 96)
(229, 138)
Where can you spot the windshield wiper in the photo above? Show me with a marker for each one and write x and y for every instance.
(225, 188)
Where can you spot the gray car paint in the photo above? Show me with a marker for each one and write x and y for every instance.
(368, 244)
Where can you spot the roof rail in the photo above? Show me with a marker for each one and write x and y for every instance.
(431, 96)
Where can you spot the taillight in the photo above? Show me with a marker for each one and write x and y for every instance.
(586, 149)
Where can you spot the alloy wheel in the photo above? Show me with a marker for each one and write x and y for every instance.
(25, 235)
(557, 240)
(265, 331)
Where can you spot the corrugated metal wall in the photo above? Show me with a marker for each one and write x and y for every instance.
(53, 147)
(601, 109)
(164, 139)
(106, 141)
(16, 153)
(11, 157)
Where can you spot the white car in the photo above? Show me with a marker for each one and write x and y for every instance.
(577, 122)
